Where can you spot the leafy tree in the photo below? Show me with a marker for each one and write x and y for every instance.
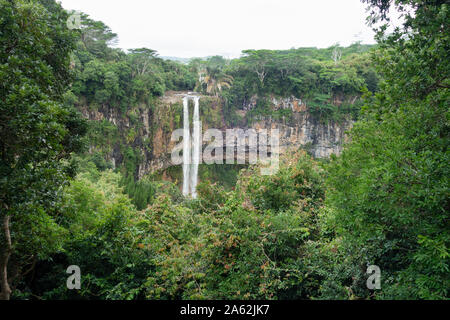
(215, 82)
(389, 189)
(38, 132)
(244, 244)
(212, 78)
(96, 37)
(305, 73)
(103, 237)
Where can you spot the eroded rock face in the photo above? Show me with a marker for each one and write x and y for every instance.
(148, 130)
(321, 139)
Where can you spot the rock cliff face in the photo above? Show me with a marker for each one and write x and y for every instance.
(302, 129)
(147, 130)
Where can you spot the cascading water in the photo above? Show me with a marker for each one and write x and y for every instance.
(186, 147)
(191, 153)
(196, 148)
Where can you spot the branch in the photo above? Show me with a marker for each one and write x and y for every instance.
(5, 292)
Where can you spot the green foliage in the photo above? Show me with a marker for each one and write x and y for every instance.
(390, 186)
(211, 112)
(110, 76)
(225, 175)
(103, 237)
(38, 132)
(307, 232)
(146, 190)
(306, 73)
(212, 78)
(103, 135)
(243, 244)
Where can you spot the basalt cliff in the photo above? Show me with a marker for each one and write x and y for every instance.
(142, 135)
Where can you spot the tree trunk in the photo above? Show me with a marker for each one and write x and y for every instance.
(5, 253)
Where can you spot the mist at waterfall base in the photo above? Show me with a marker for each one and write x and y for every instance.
(191, 149)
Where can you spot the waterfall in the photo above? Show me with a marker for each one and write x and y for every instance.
(196, 148)
(191, 149)
(186, 147)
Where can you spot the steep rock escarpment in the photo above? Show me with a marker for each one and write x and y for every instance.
(142, 135)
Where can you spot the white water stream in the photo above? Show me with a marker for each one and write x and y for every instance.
(191, 149)
(196, 148)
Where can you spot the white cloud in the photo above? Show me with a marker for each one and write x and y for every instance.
(208, 27)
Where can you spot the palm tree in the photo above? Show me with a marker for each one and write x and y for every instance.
(213, 80)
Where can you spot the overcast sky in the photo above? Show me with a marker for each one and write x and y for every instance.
(199, 28)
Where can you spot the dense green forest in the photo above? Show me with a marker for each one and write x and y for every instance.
(307, 232)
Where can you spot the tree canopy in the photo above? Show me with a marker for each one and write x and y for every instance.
(310, 231)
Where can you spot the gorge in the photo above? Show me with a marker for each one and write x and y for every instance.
(93, 207)
(151, 128)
